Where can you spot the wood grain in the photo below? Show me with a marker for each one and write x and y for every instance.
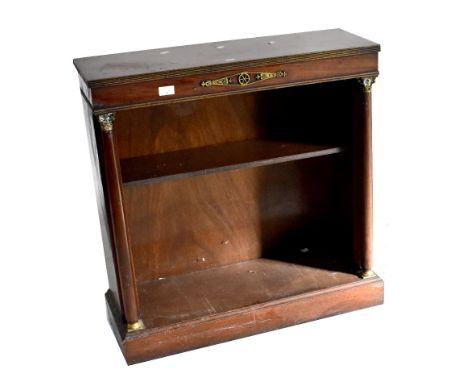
(278, 115)
(189, 125)
(222, 218)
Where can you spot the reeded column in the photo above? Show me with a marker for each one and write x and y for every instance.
(119, 224)
(362, 179)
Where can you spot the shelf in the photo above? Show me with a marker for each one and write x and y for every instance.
(215, 291)
(210, 159)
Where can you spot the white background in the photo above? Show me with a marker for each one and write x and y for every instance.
(52, 316)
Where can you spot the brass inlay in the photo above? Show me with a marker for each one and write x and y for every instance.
(243, 78)
(367, 82)
(202, 96)
(366, 274)
(133, 326)
(107, 122)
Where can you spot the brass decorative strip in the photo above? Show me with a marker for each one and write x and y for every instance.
(140, 105)
(243, 78)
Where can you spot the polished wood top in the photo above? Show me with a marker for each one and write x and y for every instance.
(181, 60)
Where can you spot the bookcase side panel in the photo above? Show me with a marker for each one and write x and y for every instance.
(95, 147)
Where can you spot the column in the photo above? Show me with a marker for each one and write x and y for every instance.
(119, 224)
(362, 179)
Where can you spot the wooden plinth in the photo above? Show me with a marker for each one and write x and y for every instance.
(203, 308)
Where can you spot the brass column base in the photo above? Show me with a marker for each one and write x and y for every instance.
(366, 274)
(134, 326)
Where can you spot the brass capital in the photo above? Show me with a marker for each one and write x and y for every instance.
(367, 82)
(107, 122)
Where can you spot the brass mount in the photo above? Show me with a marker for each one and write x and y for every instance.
(107, 121)
(367, 83)
(243, 78)
(366, 274)
(134, 326)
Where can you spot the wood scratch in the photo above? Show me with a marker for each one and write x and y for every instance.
(211, 308)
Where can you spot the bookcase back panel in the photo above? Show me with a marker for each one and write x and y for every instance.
(318, 114)
(187, 125)
(207, 221)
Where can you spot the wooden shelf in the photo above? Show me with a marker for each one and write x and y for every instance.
(215, 291)
(210, 159)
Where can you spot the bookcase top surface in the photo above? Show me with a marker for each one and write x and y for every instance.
(222, 54)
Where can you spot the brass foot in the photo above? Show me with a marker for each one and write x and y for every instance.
(366, 274)
(134, 326)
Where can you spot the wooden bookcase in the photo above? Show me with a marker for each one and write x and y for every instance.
(234, 184)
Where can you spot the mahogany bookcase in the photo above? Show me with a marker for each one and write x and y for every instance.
(234, 182)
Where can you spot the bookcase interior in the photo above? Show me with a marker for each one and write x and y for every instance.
(238, 200)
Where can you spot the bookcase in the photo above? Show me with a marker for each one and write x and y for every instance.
(234, 186)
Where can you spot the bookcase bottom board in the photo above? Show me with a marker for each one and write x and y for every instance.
(202, 308)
